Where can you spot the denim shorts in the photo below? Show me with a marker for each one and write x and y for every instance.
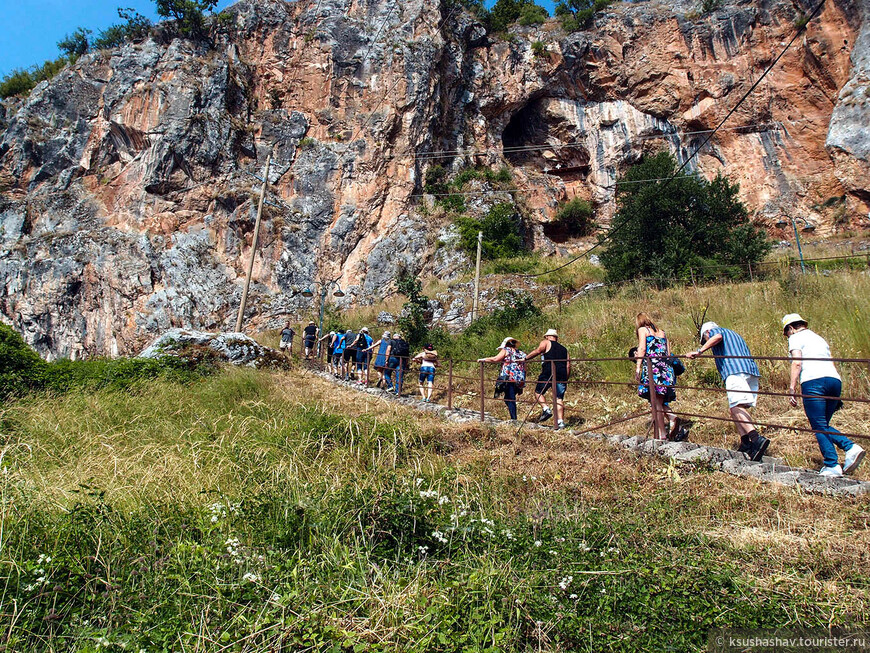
(544, 387)
(427, 375)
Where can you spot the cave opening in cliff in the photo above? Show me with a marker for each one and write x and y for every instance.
(543, 135)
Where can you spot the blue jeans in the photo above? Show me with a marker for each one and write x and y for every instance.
(510, 398)
(395, 365)
(819, 412)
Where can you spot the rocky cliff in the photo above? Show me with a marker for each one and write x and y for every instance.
(128, 182)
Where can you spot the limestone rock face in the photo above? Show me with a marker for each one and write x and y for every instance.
(128, 183)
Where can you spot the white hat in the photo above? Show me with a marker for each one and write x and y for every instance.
(506, 341)
(551, 332)
(791, 318)
(708, 326)
(364, 330)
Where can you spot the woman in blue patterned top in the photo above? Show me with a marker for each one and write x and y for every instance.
(653, 343)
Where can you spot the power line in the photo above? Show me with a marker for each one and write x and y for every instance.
(449, 154)
(617, 228)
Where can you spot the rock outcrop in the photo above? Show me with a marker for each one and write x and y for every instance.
(129, 181)
(233, 348)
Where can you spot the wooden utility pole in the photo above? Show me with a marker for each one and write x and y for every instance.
(253, 248)
(477, 277)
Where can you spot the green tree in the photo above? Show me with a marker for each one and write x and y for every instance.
(413, 321)
(76, 44)
(188, 14)
(667, 229)
(502, 232)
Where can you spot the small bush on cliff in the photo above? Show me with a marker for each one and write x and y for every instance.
(188, 14)
(502, 232)
(135, 27)
(76, 44)
(505, 13)
(21, 82)
(573, 219)
(579, 14)
(664, 230)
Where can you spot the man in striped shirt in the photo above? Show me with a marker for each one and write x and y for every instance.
(740, 375)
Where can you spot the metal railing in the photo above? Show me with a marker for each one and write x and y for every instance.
(457, 382)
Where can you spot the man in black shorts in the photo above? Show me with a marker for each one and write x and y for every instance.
(309, 337)
(555, 365)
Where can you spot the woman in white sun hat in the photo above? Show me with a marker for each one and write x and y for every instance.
(820, 388)
(512, 377)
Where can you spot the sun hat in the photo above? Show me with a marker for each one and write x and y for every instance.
(707, 326)
(506, 341)
(790, 319)
(364, 330)
(311, 322)
(551, 332)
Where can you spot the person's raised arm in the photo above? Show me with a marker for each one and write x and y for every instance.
(712, 342)
(540, 349)
(498, 358)
(796, 364)
(641, 351)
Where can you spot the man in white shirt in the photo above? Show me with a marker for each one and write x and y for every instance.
(820, 389)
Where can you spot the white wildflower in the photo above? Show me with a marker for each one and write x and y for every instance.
(251, 577)
(438, 535)
(443, 500)
(423, 549)
(565, 582)
(275, 598)
(538, 543)
(429, 494)
(573, 596)
(584, 547)
(418, 481)
(508, 534)
(552, 553)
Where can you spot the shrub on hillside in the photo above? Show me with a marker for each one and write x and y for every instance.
(502, 232)
(135, 27)
(21, 368)
(666, 230)
(21, 82)
(573, 219)
(414, 320)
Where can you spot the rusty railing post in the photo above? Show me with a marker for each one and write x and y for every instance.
(450, 386)
(555, 394)
(482, 397)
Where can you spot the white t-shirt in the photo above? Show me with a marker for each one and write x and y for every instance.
(812, 345)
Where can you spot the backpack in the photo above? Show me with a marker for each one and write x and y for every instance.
(400, 349)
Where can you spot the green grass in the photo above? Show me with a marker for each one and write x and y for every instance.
(258, 512)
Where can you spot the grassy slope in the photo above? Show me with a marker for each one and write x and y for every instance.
(154, 504)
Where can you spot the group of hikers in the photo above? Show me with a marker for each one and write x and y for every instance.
(349, 353)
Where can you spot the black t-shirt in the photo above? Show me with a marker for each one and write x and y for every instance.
(310, 331)
(400, 348)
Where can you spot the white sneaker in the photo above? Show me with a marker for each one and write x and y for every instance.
(853, 459)
(834, 471)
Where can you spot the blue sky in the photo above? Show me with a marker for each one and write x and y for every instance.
(32, 28)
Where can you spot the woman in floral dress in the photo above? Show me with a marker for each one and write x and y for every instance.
(653, 343)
